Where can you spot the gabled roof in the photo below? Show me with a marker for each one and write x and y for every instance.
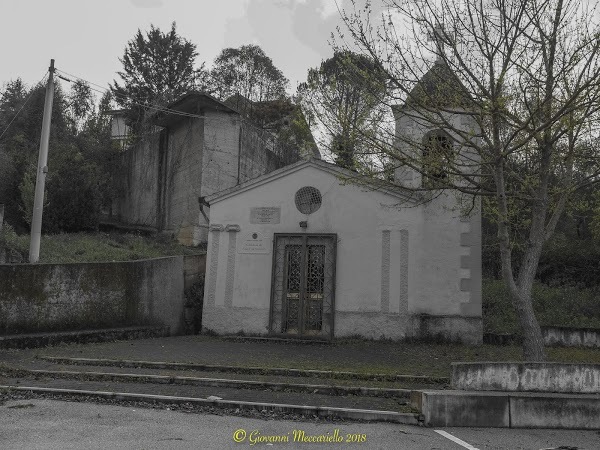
(193, 102)
(344, 174)
(439, 88)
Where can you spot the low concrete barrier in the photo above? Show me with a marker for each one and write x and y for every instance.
(553, 337)
(571, 337)
(526, 377)
(507, 410)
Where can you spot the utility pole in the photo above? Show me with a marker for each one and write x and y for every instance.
(42, 170)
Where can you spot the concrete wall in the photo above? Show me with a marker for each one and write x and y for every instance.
(169, 171)
(507, 409)
(48, 297)
(527, 376)
(397, 275)
(194, 267)
(182, 179)
(261, 154)
(138, 206)
(571, 337)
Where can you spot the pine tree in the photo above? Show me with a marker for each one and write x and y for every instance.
(157, 69)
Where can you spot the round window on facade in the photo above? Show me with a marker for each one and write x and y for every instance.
(308, 200)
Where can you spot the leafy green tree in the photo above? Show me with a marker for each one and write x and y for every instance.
(80, 103)
(249, 72)
(81, 160)
(74, 199)
(157, 69)
(20, 124)
(345, 96)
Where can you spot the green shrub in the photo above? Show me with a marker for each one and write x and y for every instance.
(554, 306)
(13, 248)
(92, 247)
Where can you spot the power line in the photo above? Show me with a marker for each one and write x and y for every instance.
(132, 100)
(23, 106)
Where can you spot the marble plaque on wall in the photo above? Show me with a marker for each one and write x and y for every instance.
(255, 242)
(265, 215)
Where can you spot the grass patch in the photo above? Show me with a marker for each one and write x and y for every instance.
(93, 247)
(433, 360)
(366, 357)
(554, 306)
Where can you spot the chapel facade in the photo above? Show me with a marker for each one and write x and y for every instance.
(312, 250)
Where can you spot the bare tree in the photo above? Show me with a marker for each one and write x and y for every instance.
(525, 76)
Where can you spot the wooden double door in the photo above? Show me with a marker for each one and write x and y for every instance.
(302, 300)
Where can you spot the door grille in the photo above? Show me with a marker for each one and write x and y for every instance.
(302, 302)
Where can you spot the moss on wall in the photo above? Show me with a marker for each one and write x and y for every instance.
(52, 297)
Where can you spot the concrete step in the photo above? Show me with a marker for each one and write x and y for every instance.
(264, 371)
(143, 377)
(278, 340)
(34, 340)
(38, 364)
(452, 408)
(342, 406)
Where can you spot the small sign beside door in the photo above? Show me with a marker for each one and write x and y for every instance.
(254, 242)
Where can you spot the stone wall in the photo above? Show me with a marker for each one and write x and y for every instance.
(51, 297)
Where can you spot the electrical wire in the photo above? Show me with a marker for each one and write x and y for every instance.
(22, 106)
(132, 100)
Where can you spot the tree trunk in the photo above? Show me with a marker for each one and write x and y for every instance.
(533, 342)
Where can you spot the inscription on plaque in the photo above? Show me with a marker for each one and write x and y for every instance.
(265, 215)
(254, 242)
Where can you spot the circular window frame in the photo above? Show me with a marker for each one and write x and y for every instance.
(308, 199)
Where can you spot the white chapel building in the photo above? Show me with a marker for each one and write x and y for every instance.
(307, 251)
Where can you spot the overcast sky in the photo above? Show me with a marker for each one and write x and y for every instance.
(87, 37)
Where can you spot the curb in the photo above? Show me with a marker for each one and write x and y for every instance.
(320, 411)
(244, 370)
(34, 340)
(221, 382)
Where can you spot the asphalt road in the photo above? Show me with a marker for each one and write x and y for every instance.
(51, 424)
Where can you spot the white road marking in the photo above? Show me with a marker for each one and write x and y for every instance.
(455, 439)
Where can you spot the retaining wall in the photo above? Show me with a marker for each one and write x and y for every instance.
(526, 377)
(57, 297)
(553, 336)
(571, 337)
